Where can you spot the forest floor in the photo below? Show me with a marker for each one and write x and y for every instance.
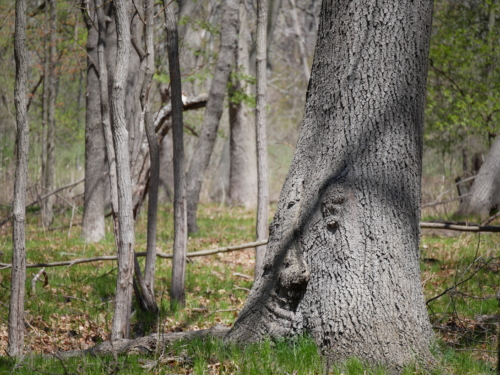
(71, 308)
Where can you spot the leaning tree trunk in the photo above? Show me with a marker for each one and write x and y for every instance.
(213, 111)
(93, 217)
(123, 297)
(342, 262)
(18, 274)
(177, 290)
(243, 161)
(485, 191)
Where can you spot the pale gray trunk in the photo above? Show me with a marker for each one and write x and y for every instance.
(262, 230)
(105, 115)
(343, 256)
(243, 161)
(485, 191)
(177, 289)
(18, 273)
(48, 177)
(93, 229)
(213, 111)
(301, 40)
(123, 297)
(146, 295)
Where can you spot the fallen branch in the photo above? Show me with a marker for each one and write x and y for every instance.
(45, 196)
(70, 263)
(144, 345)
(461, 228)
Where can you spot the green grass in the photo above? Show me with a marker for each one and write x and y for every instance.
(72, 308)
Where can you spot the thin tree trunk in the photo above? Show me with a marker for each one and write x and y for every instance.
(262, 228)
(48, 178)
(93, 229)
(301, 40)
(146, 283)
(123, 298)
(177, 290)
(213, 111)
(18, 274)
(105, 114)
(342, 263)
(243, 160)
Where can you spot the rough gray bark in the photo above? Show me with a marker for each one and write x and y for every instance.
(485, 191)
(93, 229)
(121, 318)
(177, 289)
(213, 111)
(262, 230)
(49, 172)
(342, 262)
(18, 274)
(243, 161)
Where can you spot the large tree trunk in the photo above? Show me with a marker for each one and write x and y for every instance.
(177, 290)
(243, 161)
(123, 297)
(262, 230)
(213, 111)
(343, 258)
(93, 229)
(49, 172)
(18, 274)
(485, 191)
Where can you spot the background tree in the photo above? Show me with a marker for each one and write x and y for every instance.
(213, 111)
(177, 289)
(93, 229)
(18, 274)
(343, 258)
(262, 230)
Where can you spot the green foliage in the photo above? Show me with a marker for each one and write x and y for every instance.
(238, 87)
(464, 76)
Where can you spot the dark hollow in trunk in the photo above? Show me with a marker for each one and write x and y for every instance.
(342, 262)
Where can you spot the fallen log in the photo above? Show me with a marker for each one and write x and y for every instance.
(151, 344)
(4, 266)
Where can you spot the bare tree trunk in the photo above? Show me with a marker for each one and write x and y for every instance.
(243, 161)
(177, 290)
(213, 111)
(342, 263)
(48, 178)
(301, 40)
(93, 229)
(261, 136)
(485, 191)
(123, 298)
(146, 283)
(18, 274)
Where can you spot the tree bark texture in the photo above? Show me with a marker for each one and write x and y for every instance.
(243, 160)
(262, 229)
(48, 177)
(93, 229)
(213, 111)
(123, 297)
(145, 284)
(18, 274)
(343, 258)
(485, 191)
(177, 289)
